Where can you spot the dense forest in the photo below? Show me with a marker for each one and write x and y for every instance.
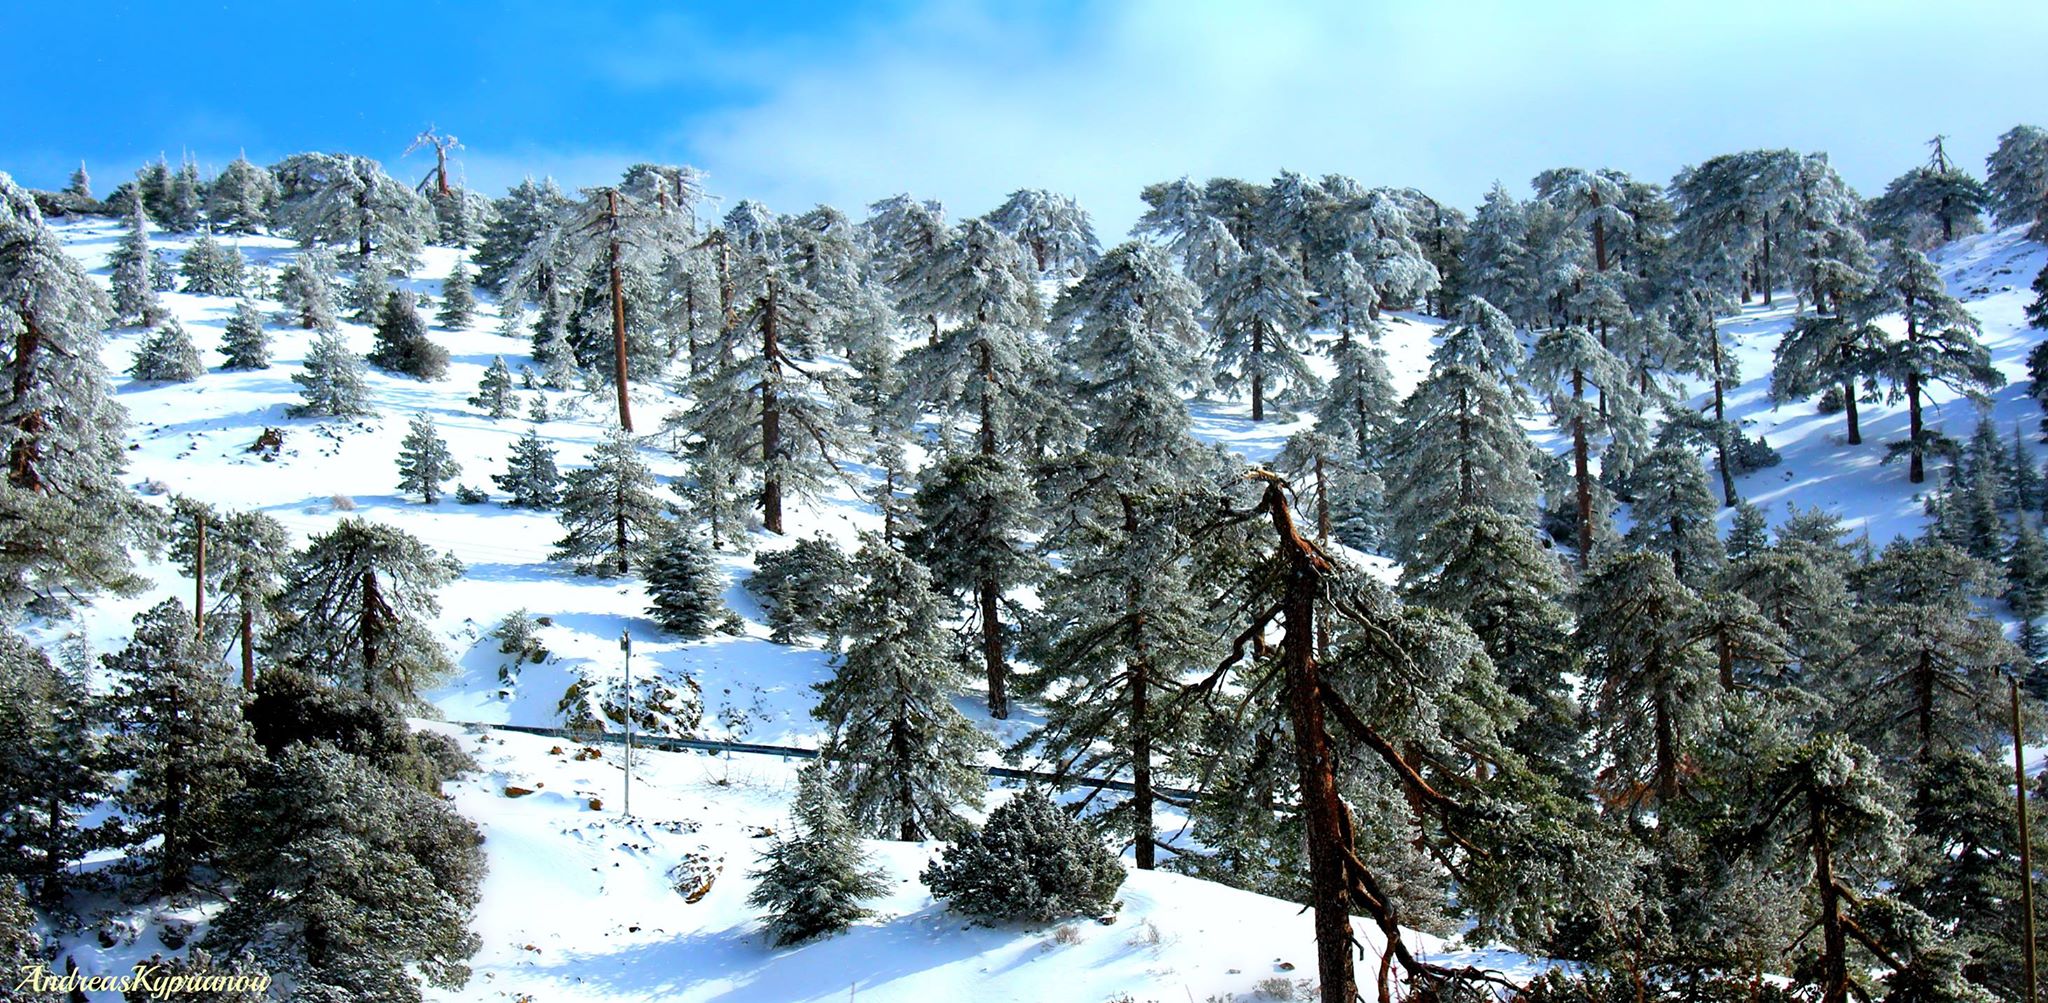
(1508, 656)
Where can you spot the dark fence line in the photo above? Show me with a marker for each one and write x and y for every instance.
(669, 743)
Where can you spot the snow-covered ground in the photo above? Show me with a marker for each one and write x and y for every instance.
(580, 903)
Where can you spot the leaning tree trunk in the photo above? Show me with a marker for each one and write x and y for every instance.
(1721, 429)
(248, 644)
(1138, 672)
(1918, 471)
(991, 595)
(906, 798)
(24, 460)
(1258, 364)
(1834, 967)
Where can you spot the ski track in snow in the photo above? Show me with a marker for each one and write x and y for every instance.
(579, 905)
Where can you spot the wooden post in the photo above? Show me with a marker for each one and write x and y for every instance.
(2019, 777)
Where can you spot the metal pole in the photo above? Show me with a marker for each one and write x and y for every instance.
(626, 646)
(2019, 776)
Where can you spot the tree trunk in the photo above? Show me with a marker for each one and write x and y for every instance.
(1923, 710)
(1722, 431)
(1258, 364)
(1583, 479)
(1323, 811)
(199, 576)
(1849, 410)
(1764, 269)
(771, 419)
(2019, 779)
(992, 648)
(1139, 672)
(441, 168)
(619, 538)
(1834, 968)
(618, 316)
(24, 459)
(906, 800)
(369, 627)
(1467, 492)
(1667, 741)
(248, 644)
(1918, 472)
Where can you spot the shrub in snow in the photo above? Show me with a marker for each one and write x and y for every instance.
(530, 476)
(457, 303)
(686, 587)
(801, 587)
(402, 343)
(331, 383)
(244, 343)
(1033, 862)
(212, 268)
(494, 391)
(812, 882)
(466, 495)
(168, 356)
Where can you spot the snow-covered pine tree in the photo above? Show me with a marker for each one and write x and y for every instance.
(987, 363)
(1930, 682)
(305, 289)
(1931, 204)
(1674, 513)
(2026, 591)
(332, 382)
(243, 341)
(1033, 861)
(901, 232)
(1483, 339)
(245, 554)
(530, 475)
(424, 460)
(1458, 445)
(1053, 227)
(494, 391)
(366, 905)
(402, 342)
(368, 291)
(69, 518)
(1498, 262)
(521, 217)
(802, 587)
(356, 609)
(167, 356)
(457, 302)
(898, 750)
(53, 771)
(1748, 532)
(1654, 680)
(764, 407)
(613, 521)
(1940, 346)
(153, 188)
(1572, 357)
(239, 200)
(975, 510)
(187, 198)
(685, 587)
(812, 882)
(2016, 175)
(81, 183)
(1259, 307)
(348, 201)
(211, 268)
(181, 733)
(135, 299)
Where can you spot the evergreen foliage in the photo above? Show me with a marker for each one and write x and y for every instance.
(211, 268)
(424, 460)
(612, 519)
(530, 477)
(332, 382)
(687, 590)
(802, 587)
(812, 882)
(1031, 862)
(457, 302)
(494, 390)
(243, 341)
(402, 342)
(356, 607)
(167, 356)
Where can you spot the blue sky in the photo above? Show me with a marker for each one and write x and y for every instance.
(798, 103)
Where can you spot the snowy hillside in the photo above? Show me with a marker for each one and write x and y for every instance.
(583, 905)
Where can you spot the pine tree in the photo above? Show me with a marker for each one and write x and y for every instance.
(1674, 513)
(240, 560)
(211, 268)
(2016, 176)
(356, 609)
(368, 291)
(813, 881)
(457, 302)
(243, 341)
(1929, 681)
(612, 518)
(81, 183)
(986, 363)
(239, 200)
(1940, 346)
(2024, 490)
(53, 771)
(167, 356)
(375, 898)
(346, 200)
(1571, 356)
(402, 343)
(1031, 862)
(153, 188)
(1053, 227)
(181, 732)
(1931, 204)
(1654, 682)
(424, 460)
(1748, 532)
(1458, 445)
(135, 299)
(686, 588)
(802, 587)
(519, 219)
(69, 518)
(530, 475)
(332, 382)
(2026, 592)
(1259, 307)
(902, 231)
(186, 199)
(1499, 264)
(494, 391)
(305, 289)
(901, 753)
(975, 510)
